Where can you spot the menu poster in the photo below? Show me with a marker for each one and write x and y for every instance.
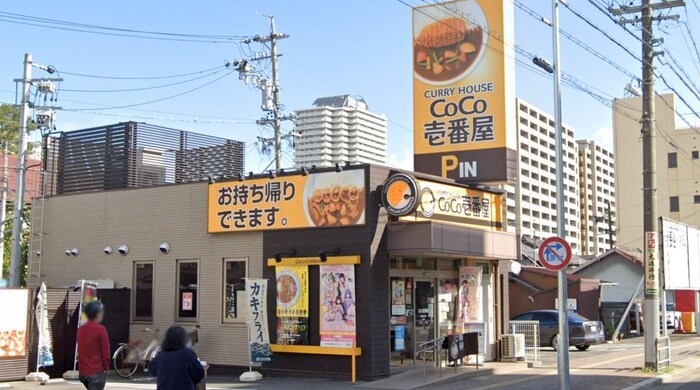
(292, 305)
(338, 311)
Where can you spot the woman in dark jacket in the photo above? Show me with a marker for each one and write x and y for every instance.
(176, 367)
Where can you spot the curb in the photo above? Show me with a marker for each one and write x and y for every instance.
(458, 378)
(650, 383)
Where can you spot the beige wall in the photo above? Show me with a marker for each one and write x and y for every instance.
(176, 214)
(681, 181)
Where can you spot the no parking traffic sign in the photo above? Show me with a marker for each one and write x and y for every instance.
(555, 253)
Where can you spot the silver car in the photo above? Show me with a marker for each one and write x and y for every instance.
(582, 332)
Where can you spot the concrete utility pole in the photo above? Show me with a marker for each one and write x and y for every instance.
(248, 73)
(563, 344)
(651, 228)
(3, 204)
(16, 248)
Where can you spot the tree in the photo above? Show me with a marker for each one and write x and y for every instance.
(9, 126)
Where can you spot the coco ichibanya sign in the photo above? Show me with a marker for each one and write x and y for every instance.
(461, 105)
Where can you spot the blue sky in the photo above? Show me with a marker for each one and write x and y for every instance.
(335, 47)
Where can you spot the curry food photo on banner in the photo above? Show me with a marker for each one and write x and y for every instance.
(327, 199)
(338, 310)
(258, 336)
(13, 323)
(292, 287)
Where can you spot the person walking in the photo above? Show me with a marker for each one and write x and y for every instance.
(93, 348)
(176, 367)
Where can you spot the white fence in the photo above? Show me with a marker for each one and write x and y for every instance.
(531, 330)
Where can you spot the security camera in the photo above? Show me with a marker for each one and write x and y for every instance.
(74, 251)
(164, 248)
(123, 249)
(108, 250)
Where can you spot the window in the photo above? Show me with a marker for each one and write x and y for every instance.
(142, 292)
(234, 289)
(674, 204)
(696, 199)
(673, 160)
(696, 155)
(187, 285)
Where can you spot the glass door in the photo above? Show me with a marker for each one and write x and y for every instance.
(424, 312)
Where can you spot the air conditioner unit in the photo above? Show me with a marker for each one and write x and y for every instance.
(513, 346)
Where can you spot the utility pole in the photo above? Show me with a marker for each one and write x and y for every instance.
(609, 215)
(16, 247)
(270, 104)
(3, 204)
(651, 228)
(563, 344)
(45, 118)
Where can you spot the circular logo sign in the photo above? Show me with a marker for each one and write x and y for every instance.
(555, 253)
(427, 202)
(400, 194)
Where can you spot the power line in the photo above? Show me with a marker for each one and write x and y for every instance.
(141, 78)
(151, 101)
(144, 88)
(55, 24)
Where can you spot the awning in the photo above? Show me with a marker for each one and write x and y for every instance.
(433, 239)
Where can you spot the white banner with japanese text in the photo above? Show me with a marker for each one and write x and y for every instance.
(258, 334)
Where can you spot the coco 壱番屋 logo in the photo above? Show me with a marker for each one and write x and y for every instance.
(400, 194)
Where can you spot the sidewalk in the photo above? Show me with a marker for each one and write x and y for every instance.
(607, 366)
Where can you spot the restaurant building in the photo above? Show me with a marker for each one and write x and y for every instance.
(361, 258)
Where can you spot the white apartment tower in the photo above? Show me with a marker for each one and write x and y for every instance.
(532, 203)
(596, 172)
(339, 129)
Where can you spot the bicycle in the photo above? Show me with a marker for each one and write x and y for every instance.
(129, 356)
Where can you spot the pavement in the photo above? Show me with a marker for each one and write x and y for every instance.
(605, 366)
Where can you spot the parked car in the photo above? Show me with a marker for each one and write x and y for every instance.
(673, 317)
(582, 332)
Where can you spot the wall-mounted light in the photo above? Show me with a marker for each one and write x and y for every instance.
(75, 251)
(240, 176)
(211, 180)
(107, 250)
(324, 254)
(273, 174)
(338, 168)
(164, 248)
(280, 255)
(67, 252)
(123, 249)
(304, 171)
(250, 175)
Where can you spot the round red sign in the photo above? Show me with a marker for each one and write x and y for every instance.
(555, 253)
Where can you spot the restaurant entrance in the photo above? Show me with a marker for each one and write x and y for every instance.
(423, 303)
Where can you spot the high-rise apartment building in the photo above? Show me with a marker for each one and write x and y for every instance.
(531, 201)
(339, 129)
(596, 178)
(677, 168)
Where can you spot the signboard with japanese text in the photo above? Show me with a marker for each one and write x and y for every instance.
(651, 263)
(338, 310)
(463, 82)
(292, 290)
(258, 336)
(680, 250)
(328, 199)
(13, 322)
(460, 205)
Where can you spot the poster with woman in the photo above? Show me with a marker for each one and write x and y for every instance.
(338, 310)
(469, 295)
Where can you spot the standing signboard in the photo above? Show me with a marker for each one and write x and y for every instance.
(463, 80)
(258, 336)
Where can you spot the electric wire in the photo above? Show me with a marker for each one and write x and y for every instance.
(144, 88)
(142, 77)
(151, 101)
(55, 24)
